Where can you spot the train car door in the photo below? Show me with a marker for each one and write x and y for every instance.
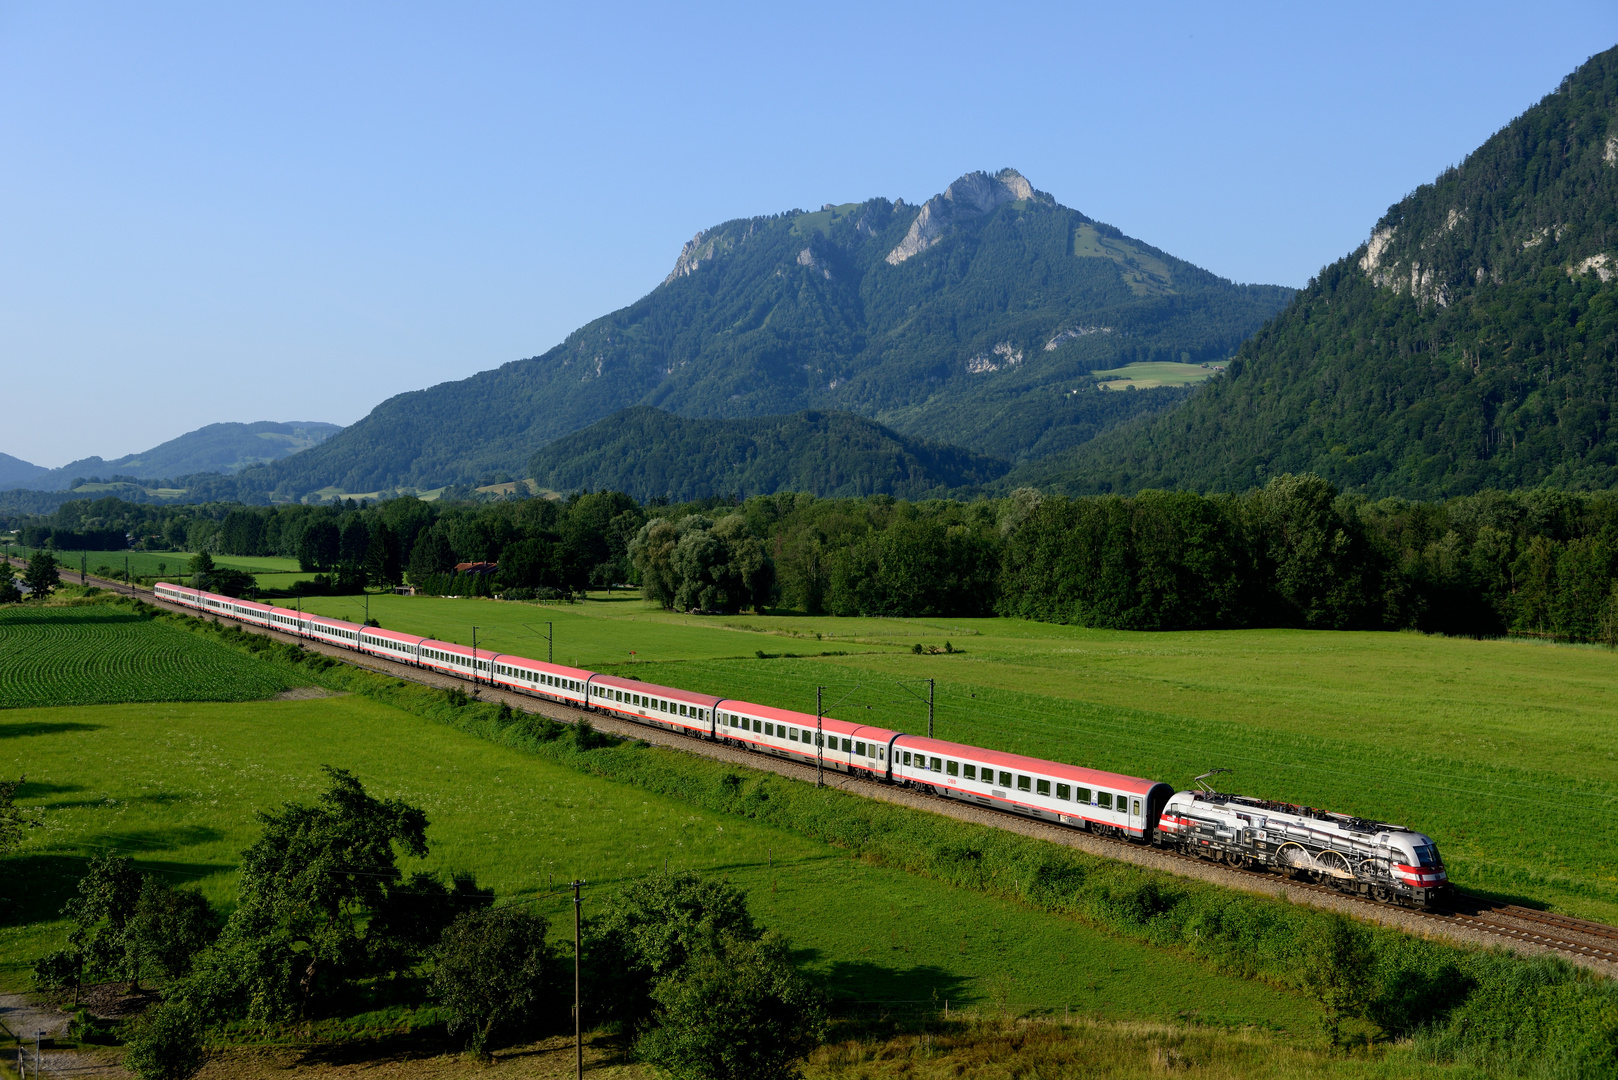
(1137, 818)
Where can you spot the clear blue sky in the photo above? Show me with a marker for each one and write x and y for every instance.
(287, 211)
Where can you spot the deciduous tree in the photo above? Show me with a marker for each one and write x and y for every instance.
(492, 971)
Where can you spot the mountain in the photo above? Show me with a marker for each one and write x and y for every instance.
(1471, 342)
(970, 319)
(649, 453)
(217, 448)
(15, 472)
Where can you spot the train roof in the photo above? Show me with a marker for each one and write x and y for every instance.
(553, 669)
(673, 693)
(1094, 778)
(807, 720)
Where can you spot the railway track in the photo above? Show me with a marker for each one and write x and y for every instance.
(1591, 944)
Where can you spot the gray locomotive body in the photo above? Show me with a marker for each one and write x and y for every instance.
(1384, 862)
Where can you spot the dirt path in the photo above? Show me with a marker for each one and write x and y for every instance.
(23, 1018)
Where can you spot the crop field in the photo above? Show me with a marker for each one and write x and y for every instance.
(176, 786)
(1506, 751)
(89, 654)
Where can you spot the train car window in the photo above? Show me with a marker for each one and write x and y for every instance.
(848, 745)
(1081, 795)
(906, 758)
(971, 771)
(792, 733)
(769, 729)
(882, 753)
(937, 765)
(859, 749)
(1023, 783)
(1042, 787)
(1104, 800)
(953, 768)
(1064, 791)
(1136, 807)
(1005, 779)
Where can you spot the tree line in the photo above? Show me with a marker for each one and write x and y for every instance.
(327, 923)
(1293, 553)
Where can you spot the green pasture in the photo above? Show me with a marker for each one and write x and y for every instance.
(1506, 751)
(91, 654)
(597, 632)
(171, 563)
(1150, 374)
(176, 786)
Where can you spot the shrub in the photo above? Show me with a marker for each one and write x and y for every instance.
(166, 1044)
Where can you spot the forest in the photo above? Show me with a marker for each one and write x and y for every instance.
(1470, 344)
(1293, 553)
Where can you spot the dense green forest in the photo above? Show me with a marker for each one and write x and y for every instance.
(649, 453)
(975, 339)
(1294, 553)
(1472, 343)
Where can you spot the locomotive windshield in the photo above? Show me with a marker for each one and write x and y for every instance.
(1427, 855)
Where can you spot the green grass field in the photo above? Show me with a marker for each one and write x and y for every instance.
(1506, 751)
(176, 785)
(172, 563)
(1150, 374)
(91, 654)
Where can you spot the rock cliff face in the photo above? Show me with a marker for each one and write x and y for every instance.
(972, 196)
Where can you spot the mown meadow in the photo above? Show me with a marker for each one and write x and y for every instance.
(1505, 750)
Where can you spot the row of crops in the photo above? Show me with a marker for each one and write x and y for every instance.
(101, 654)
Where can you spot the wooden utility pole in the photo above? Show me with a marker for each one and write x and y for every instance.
(578, 997)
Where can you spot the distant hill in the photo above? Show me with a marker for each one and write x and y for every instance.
(1471, 342)
(217, 448)
(15, 472)
(649, 453)
(971, 319)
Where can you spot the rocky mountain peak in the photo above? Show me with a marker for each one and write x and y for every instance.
(972, 196)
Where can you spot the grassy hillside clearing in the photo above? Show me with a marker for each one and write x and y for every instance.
(82, 655)
(1506, 751)
(1150, 375)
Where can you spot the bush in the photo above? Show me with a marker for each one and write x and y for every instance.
(166, 1044)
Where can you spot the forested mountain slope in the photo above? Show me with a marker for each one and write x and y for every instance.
(967, 320)
(649, 453)
(15, 472)
(1471, 342)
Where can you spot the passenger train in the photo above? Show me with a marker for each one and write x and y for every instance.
(1381, 861)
